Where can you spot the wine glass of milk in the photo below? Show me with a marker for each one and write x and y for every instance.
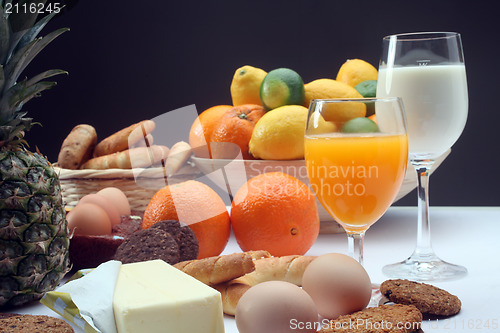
(427, 71)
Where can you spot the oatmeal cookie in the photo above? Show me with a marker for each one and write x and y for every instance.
(15, 323)
(397, 318)
(427, 298)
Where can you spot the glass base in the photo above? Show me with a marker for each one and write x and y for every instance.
(431, 269)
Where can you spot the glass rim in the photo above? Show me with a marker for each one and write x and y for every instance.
(356, 99)
(424, 35)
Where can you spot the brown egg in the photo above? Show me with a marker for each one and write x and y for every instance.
(89, 219)
(104, 203)
(278, 307)
(338, 284)
(118, 198)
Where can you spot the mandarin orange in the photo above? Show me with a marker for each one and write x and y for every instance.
(202, 128)
(196, 205)
(234, 131)
(275, 212)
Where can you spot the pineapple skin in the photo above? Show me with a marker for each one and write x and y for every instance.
(34, 234)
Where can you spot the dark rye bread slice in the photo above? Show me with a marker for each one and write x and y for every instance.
(395, 318)
(427, 298)
(16, 323)
(148, 244)
(183, 235)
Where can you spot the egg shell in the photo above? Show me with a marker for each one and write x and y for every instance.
(278, 307)
(118, 198)
(89, 219)
(338, 284)
(104, 203)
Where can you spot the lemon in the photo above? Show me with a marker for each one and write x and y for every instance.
(355, 71)
(281, 86)
(360, 125)
(245, 86)
(318, 125)
(331, 89)
(279, 134)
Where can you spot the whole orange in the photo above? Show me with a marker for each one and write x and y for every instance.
(202, 128)
(234, 131)
(196, 205)
(275, 212)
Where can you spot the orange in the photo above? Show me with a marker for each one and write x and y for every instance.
(233, 132)
(275, 212)
(373, 117)
(196, 205)
(202, 128)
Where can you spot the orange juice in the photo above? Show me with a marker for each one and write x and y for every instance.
(356, 178)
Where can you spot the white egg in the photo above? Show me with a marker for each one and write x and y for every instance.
(338, 284)
(277, 307)
(118, 198)
(89, 219)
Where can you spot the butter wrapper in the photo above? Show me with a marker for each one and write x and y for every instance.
(87, 302)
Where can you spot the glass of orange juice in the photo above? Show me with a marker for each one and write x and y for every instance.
(356, 153)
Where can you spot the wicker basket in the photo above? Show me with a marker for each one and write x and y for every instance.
(139, 185)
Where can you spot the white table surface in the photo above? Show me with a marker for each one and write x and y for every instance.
(468, 236)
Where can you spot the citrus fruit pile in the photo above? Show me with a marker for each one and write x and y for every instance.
(273, 211)
(268, 116)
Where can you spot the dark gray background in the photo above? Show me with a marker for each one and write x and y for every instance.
(134, 60)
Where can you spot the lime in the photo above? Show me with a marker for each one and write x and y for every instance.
(360, 125)
(281, 86)
(368, 89)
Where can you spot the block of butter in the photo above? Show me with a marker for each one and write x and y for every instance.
(153, 296)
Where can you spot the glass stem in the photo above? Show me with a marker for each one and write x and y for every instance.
(355, 246)
(424, 247)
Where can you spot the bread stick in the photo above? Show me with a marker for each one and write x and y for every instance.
(140, 157)
(287, 268)
(125, 138)
(215, 270)
(179, 154)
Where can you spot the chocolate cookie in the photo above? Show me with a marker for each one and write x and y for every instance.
(395, 318)
(148, 244)
(183, 235)
(427, 298)
(15, 323)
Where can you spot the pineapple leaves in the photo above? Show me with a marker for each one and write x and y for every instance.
(32, 91)
(44, 75)
(23, 20)
(2, 78)
(32, 33)
(25, 55)
(17, 96)
(4, 36)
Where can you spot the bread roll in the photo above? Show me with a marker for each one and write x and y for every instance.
(125, 138)
(77, 147)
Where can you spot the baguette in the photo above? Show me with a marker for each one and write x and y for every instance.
(216, 270)
(287, 268)
(178, 155)
(125, 138)
(140, 157)
(77, 147)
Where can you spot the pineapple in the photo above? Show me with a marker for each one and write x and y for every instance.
(34, 238)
